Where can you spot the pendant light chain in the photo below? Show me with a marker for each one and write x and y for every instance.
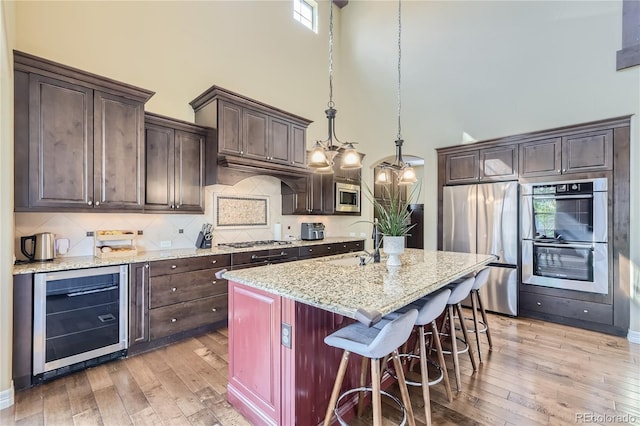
(399, 69)
(330, 104)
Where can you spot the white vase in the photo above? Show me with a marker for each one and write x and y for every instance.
(394, 247)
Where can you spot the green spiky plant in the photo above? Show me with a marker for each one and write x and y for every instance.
(392, 212)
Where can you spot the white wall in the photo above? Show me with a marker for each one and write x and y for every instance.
(6, 207)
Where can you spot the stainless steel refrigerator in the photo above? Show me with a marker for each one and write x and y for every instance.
(483, 219)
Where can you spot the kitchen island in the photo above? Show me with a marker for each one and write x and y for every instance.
(280, 370)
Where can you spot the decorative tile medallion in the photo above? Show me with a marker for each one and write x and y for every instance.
(240, 211)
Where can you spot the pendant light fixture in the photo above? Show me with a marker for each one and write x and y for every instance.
(324, 152)
(406, 174)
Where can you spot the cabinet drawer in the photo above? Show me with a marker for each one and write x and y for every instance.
(319, 250)
(186, 316)
(174, 288)
(568, 308)
(175, 266)
(355, 246)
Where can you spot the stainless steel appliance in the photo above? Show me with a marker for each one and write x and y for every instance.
(312, 231)
(80, 319)
(484, 219)
(564, 235)
(347, 197)
(42, 247)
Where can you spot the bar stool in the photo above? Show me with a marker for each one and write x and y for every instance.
(429, 309)
(459, 292)
(480, 326)
(374, 343)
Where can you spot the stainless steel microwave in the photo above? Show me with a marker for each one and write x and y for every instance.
(347, 197)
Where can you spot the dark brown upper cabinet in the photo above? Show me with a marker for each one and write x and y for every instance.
(576, 153)
(252, 137)
(490, 164)
(174, 164)
(78, 139)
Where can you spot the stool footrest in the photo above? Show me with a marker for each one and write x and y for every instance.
(412, 383)
(368, 389)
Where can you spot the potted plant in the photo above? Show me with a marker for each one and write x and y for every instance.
(393, 220)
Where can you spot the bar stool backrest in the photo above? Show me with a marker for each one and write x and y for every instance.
(460, 291)
(392, 335)
(432, 307)
(481, 279)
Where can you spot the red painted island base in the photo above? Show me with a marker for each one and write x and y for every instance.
(271, 383)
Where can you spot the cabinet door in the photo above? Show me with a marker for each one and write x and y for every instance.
(60, 144)
(540, 158)
(189, 171)
(159, 167)
(587, 152)
(255, 319)
(254, 134)
(229, 128)
(298, 154)
(279, 140)
(462, 167)
(500, 163)
(138, 303)
(118, 152)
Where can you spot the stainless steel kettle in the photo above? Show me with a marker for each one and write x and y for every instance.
(42, 246)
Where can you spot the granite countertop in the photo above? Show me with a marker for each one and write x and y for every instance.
(341, 286)
(79, 262)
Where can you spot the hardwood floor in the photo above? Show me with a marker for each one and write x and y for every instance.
(537, 374)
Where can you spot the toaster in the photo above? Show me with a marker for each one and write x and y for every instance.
(312, 231)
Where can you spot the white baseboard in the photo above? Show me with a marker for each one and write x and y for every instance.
(6, 397)
(634, 337)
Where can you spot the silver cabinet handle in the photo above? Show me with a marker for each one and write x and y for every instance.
(241, 152)
(146, 265)
(214, 261)
(564, 170)
(89, 203)
(214, 282)
(310, 250)
(174, 319)
(558, 171)
(177, 206)
(538, 303)
(174, 266)
(329, 248)
(97, 203)
(586, 311)
(173, 289)
(214, 310)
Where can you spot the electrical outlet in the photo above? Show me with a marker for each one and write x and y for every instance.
(89, 233)
(352, 234)
(165, 244)
(180, 231)
(362, 234)
(286, 335)
(140, 232)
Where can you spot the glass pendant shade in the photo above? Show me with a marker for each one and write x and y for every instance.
(384, 176)
(318, 159)
(407, 177)
(350, 159)
(324, 170)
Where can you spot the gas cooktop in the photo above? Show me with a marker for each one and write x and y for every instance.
(254, 243)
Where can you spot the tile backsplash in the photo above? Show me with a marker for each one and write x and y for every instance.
(181, 230)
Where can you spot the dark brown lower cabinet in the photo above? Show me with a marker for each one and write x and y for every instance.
(172, 299)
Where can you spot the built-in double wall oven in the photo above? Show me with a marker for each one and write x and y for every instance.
(80, 319)
(564, 235)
